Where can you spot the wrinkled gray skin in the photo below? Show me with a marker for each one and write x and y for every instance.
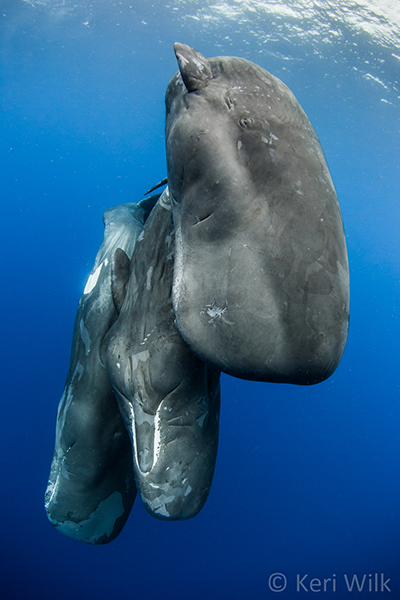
(91, 486)
(261, 284)
(169, 399)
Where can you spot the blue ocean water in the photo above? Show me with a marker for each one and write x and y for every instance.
(307, 483)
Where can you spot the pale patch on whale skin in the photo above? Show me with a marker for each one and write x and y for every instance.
(149, 276)
(85, 336)
(92, 280)
(100, 524)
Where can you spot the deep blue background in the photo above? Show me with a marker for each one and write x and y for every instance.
(307, 479)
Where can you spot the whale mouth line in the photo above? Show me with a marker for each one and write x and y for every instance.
(202, 219)
(134, 417)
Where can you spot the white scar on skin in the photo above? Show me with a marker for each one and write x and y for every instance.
(149, 277)
(165, 200)
(216, 312)
(140, 356)
(100, 522)
(85, 336)
(93, 278)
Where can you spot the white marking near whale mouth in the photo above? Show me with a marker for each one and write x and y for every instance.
(134, 416)
(137, 417)
(138, 357)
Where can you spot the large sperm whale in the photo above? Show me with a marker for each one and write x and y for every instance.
(261, 279)
(169, 399)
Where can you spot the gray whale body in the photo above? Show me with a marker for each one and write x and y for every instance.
(261, 279)
(169, 399)
(91, 487)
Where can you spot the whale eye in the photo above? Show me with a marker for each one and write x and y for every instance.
(246, 122)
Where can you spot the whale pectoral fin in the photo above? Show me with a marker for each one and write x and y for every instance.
(195, 69)
(119, 277)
